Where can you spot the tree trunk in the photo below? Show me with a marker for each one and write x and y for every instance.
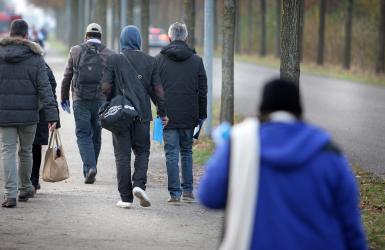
(227, 99)
(348, 35)
(278, 31)
(99, 15)
(145, 22)
(130, 12)
(189, 19)
(321, 33)
(290, 32)
(301, 25)
(237, 27)
(262, 51)
(216, 27)
(380, 68)
(250, 26)
(118, 25)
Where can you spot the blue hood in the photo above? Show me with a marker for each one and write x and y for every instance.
(130, 38)
(288, 145)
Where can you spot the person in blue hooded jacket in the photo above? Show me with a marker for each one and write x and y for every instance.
(306, 196)
(120, 70)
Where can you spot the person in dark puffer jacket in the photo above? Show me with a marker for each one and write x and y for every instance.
(41, 136)
(23, 85)
(184, 81)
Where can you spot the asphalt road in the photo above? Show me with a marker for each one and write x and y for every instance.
(350, 111)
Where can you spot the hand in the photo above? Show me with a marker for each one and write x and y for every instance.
(66, 105)
(164, 121)
(51, 125)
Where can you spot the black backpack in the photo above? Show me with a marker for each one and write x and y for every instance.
(89, 72)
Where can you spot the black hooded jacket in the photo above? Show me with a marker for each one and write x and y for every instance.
(185, 85)
(23, 84)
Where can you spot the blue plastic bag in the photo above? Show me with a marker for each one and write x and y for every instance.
(157, 134)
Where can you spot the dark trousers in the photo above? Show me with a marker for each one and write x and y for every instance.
(137, 138)
(36, 157)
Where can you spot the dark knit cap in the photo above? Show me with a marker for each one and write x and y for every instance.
(281, 95)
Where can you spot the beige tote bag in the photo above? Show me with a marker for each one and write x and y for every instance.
(55, 165)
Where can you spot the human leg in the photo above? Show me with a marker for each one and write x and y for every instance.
(8, 141)
(186, 142)
(171, 148)
(122, 151)
(36, 162)
(82, 116)
(26, 136)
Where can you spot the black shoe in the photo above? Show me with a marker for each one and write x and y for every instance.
(90, 177)
(25, 195)
(9, 202)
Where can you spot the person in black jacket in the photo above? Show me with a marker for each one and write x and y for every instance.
(121, 71)
(184, 82)
(41, 136)
(23, 85)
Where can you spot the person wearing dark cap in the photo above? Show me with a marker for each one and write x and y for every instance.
(82, 76)
(283, 182)
(135, 72)
(24, 89)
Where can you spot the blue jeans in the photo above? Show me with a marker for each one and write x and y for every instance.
(88, 132)
(178, 141)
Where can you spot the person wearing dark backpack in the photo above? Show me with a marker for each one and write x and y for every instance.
(82, 75)
(134, 74)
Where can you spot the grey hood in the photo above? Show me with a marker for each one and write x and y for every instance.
(15, 49)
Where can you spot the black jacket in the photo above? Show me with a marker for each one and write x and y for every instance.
(184, 82)
(118, 71)
(41, 136)
(23, 83)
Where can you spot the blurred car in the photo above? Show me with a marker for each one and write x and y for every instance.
(158, 37)
(5, 22)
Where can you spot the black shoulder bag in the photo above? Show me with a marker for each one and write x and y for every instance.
(120, 112)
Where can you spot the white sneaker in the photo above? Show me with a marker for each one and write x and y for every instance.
(142, 196)
(123, 204)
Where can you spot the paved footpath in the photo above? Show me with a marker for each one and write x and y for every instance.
(73, 215)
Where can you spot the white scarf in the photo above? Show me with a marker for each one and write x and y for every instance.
(243, 185)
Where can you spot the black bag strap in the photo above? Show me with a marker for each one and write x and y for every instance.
(139, 76)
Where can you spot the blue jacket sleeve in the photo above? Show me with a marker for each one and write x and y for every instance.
(213, 187)
(347, 198)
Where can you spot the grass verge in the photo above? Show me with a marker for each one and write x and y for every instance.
(327, 70)
(372, 192)
(58, 46)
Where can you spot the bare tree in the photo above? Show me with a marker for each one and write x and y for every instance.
(278, 31)
(227, 98)
(348, 35)
(262, 51)
(321, 32)
(290, 32)
(380, 67)
(189, 19)
(145, 22)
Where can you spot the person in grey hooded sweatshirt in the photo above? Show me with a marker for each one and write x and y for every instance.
(132, 62)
